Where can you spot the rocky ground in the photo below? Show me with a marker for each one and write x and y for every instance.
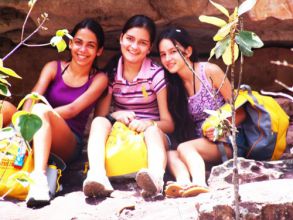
(125, 203)
(269, 199)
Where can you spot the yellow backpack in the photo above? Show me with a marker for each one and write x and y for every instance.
(126, 152)
(265, 126)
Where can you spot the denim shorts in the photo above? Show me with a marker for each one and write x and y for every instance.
(78, 148)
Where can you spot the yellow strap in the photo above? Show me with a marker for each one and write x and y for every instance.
(58, 178)
(86, 167)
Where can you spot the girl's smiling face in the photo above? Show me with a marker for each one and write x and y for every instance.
(135, 44)
(170, 57)
(84, 47)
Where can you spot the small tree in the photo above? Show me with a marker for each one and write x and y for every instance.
(231, 38)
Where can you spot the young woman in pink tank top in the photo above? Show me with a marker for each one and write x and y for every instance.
(72, 88)
(188, 97)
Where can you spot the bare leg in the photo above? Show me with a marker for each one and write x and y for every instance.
(8, 110)
(100, 130)
(97, 183)
(151, 179)
(178, 168)
(54, 135)
(157, 157)
(194, 153)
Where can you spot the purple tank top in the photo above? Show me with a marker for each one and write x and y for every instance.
(202, 100)
(59, 94)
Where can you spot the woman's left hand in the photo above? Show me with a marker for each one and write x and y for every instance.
(139, 125)
(209, 133)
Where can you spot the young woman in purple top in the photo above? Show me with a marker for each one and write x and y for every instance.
(72, 88)
(132, 76)
(187, 100)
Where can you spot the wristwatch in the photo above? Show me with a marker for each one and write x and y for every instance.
(111, 119)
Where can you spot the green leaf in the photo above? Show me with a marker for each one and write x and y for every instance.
(212, 53)
(227, 55)
(21, 177)
(222, 45)
(4, 90)
(211, 112)
(54, 40)
(251, 39)
(221, 8)
(9, 72)
(62, 32)
(6, 133)
(35, 97)
(58, 42)
(212, 20)
(224, 31)
(61, 46)
(244, 48)
(28, 124)
(4, 81)
(31, 3)
(246, 6)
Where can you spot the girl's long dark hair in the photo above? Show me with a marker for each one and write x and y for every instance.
(177, 96)
(141, 21)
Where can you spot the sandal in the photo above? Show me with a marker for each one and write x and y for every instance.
(194, 190)
(174, 190)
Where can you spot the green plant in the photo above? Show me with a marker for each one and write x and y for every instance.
(56, 41)
(229, 40)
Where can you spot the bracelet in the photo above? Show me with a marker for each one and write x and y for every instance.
(111, 119)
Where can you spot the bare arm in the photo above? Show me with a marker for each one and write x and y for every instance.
(103, 105)
(217, 76)
(166, 123)
(47, 75)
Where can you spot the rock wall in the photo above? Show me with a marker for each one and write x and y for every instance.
(270, 19)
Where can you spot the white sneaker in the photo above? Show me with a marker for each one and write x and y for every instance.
(150, 183)
(38, 194)
(97, 185)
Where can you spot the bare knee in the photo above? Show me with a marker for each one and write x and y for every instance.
(152, 132)
(184, 148)
(41, 110)
(154, 135)
(99, 123)
(172, 155)
(7, 110)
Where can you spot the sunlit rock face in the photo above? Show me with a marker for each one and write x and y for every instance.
(265, 191)
(270, 19)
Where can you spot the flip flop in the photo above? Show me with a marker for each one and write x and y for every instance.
(194, 190)
(174, 190)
